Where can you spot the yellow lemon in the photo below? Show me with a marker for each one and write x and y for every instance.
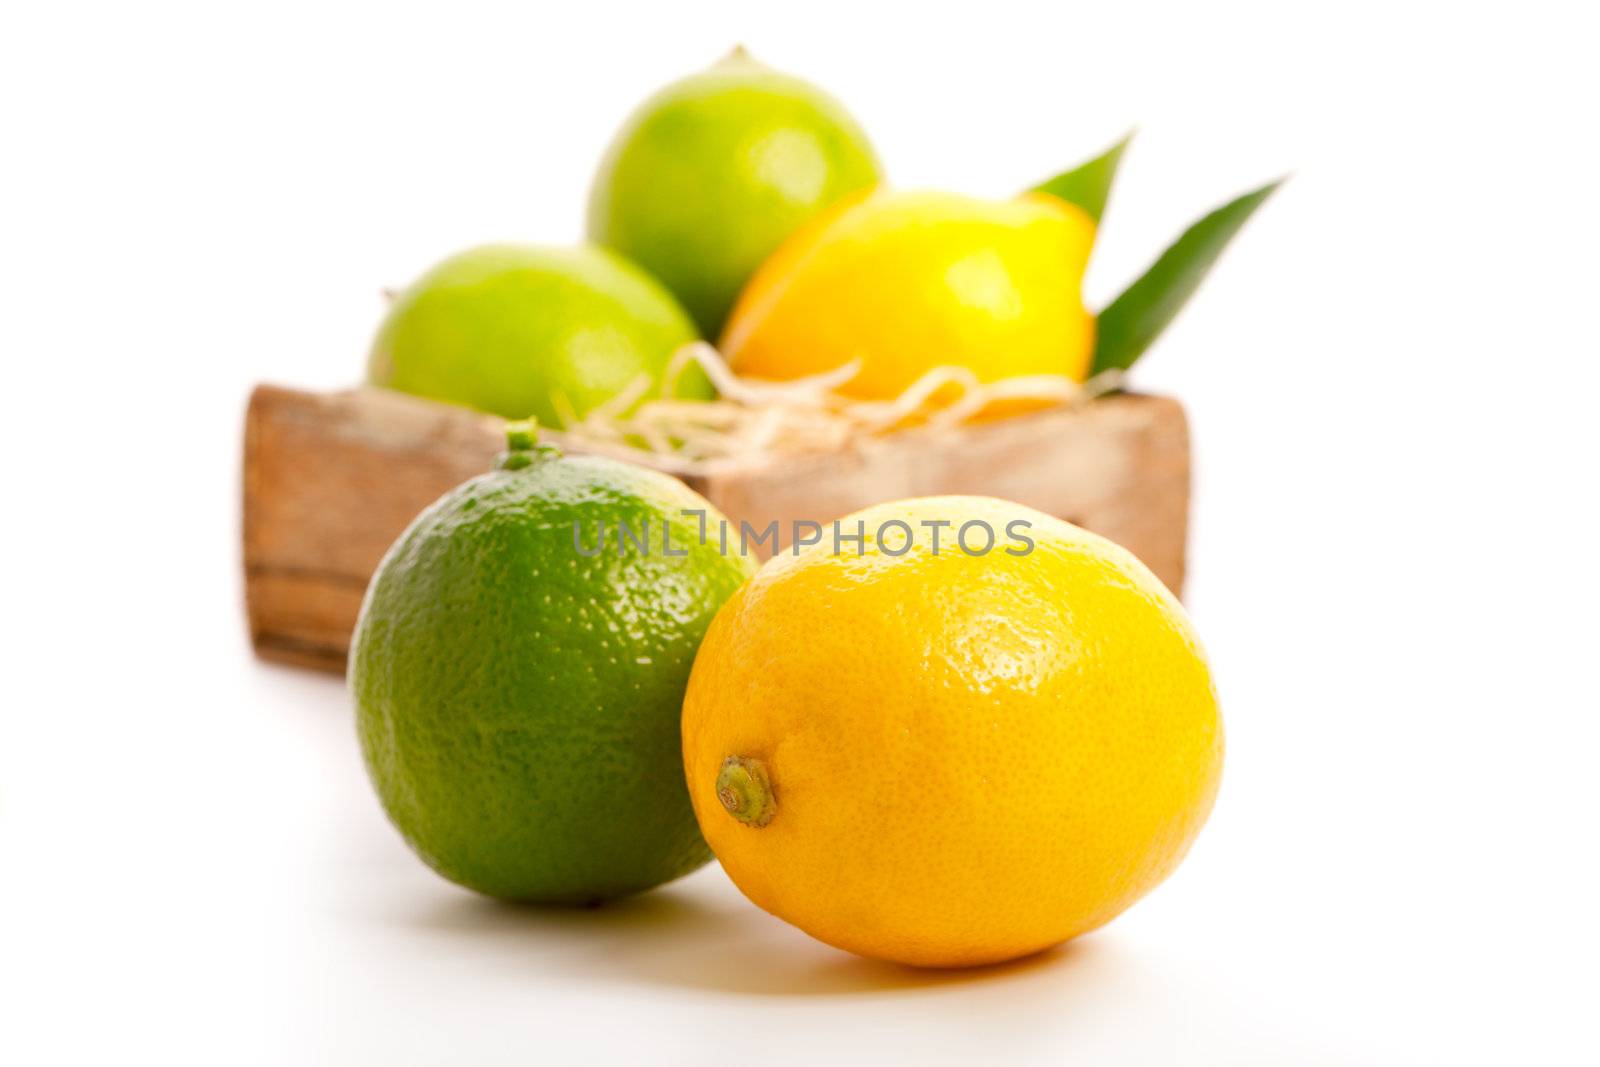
(977, 733)
(908, 281)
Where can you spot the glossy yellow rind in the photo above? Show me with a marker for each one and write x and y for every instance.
(971, 757)
(908, 281)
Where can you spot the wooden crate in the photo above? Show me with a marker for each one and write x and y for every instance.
(330, 480)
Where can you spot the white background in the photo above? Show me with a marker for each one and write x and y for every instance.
(1392, 378)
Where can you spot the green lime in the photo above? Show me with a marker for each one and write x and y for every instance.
(710, 174)
(518, 675)
(524, 330)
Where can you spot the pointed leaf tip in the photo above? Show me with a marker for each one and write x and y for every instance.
(1133, 321)
(1088, 185)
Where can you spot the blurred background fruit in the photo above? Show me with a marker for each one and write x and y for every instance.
(947, 759)
(909, 281)
(518, 700)
(526, 330)
(710, 174)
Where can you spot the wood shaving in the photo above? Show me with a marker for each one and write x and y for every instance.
(752, 420)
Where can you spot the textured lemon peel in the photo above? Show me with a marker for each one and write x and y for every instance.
(753, 420)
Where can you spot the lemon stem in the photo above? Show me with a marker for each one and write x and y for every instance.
(522, 445)
(745, 790)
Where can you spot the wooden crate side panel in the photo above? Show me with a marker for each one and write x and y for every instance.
(331, 480)
(1119, 468)
(329, 483)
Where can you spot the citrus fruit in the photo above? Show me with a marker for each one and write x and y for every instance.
(909, 281)
(707, 177)
(517, 681)
(525, 330)
(950, 756)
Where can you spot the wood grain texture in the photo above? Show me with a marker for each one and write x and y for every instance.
(330, 480)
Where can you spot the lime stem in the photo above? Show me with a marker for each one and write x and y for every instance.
(522, 445)
(745, 790)
(522, 435)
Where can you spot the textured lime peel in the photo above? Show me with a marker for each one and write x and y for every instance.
(746, 791)
(523, 447)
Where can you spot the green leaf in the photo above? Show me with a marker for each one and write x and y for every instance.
(1135, 319)
(1088, 184)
